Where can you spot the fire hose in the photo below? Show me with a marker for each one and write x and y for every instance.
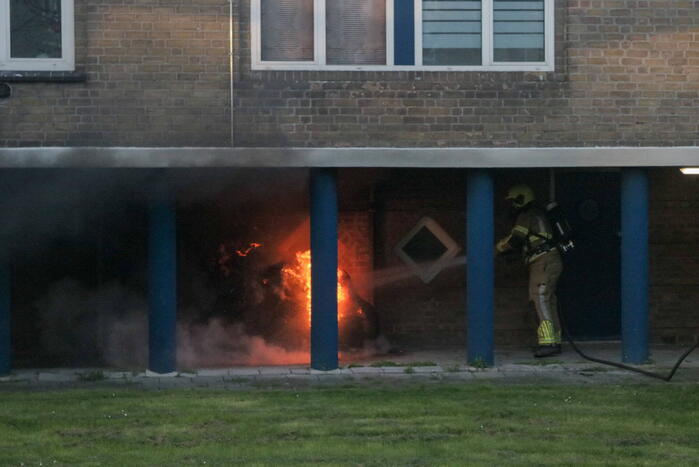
(623, 366)
(562, 227)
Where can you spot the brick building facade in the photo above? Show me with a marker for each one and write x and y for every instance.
(156, 73)
(626, 75)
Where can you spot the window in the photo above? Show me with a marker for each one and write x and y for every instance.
(36, 35)
(375, 35)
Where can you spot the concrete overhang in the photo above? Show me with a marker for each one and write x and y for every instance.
(181, 157)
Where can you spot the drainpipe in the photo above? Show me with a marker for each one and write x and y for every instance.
(230, 66)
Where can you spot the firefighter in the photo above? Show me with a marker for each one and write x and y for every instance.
(533, 235)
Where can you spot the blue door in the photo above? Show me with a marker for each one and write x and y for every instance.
(589, 289)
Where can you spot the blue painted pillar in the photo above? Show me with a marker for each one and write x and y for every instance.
(5, 331)
(162, 269)
(324, 334)
(634, 265)
(480, 267)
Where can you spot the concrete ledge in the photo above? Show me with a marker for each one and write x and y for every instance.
(274, 371)
(393, 369)
(214, 372)
(117, 374)
(243, 371)
(486, 374)
(338, 371)
(427, 369)
(248, 378)
(153, 374)
(513, 365)
(162, 157)
(366, 370)
(61, 377)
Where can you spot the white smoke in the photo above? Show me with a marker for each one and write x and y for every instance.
(81, 327)
(217, 344)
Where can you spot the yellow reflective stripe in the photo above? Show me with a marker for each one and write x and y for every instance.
(546, 334)
(520, 230)
(546, 235)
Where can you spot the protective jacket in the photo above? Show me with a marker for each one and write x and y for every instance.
(532, 233)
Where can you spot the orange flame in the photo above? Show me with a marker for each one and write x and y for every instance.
(298, 274)
(225, 255)
(247, 251)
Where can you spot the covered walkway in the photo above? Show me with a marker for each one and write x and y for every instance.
(478, 199)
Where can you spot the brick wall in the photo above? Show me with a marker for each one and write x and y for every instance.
(356, 250)
(413, 313)
(433, 315)
(157, 75)
(674, 267)
(627, 73)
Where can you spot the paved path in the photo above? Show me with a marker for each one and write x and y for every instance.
(512, 366)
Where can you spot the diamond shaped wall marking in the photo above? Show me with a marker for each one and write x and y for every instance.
(427, 249)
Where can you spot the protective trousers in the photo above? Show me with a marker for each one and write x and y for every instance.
(543, 278)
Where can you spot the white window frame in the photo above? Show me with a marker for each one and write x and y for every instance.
(319, 63)
(65, 63)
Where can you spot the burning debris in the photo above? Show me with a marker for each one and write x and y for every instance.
(226, 252)
(245, 300)
(354, 326)
(282, 312)
(247, 250)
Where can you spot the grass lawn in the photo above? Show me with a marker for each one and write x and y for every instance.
(416, 424)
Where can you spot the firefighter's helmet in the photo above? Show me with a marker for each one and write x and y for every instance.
(520, 195)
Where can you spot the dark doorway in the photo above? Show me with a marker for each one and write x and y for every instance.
(589, 289)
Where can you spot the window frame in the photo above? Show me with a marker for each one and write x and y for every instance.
(487, 51)
(65, 63)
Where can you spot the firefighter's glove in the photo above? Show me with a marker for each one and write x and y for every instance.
(503, 245)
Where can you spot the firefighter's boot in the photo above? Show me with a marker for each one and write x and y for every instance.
(547, 350)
